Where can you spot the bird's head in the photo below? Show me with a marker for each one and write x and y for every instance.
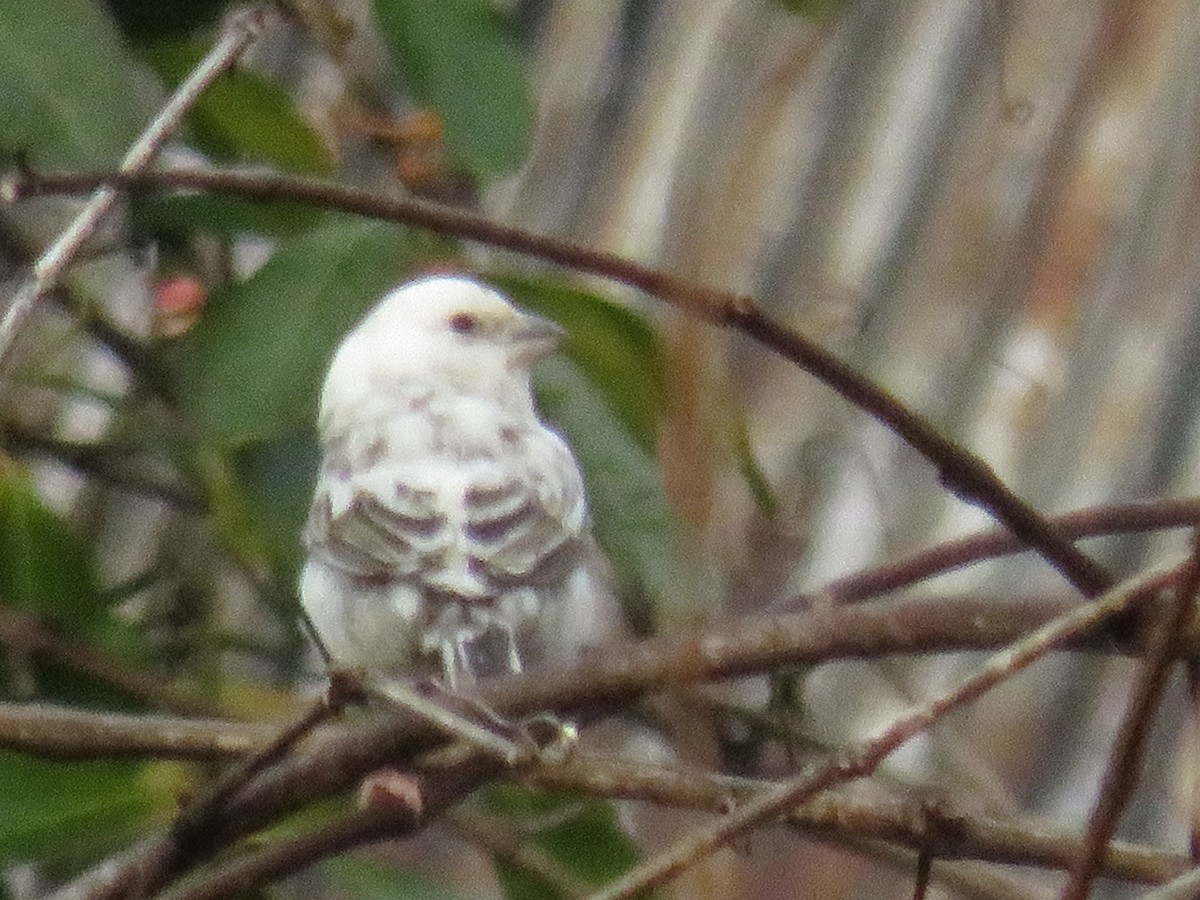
(450, 333)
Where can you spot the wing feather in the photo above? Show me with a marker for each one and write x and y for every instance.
(477, 529)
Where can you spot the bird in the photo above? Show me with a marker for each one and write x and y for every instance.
(449, 533)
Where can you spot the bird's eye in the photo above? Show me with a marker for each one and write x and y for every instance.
(463, 323)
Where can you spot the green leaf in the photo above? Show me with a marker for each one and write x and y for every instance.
(222, 216)
(67, 92)
(253, 365)
(243, 117)
(53, 810)
(631, 517)
(363, 879)
(459, 58)
(45, 565)
(150, 20)
(584, 836)
(615, 347)
(278, 476)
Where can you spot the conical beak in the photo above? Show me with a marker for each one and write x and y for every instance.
(534, 338)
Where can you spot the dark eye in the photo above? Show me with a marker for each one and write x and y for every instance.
(463, 323)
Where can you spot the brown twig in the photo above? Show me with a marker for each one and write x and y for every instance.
(1124, 763)
(499, 839)
(962, 472)
(897, 819)
(865, 758)
(262, 866)
(1095, 521)
(624, 672)
(58, 733)
(108, 463)
(27, 633)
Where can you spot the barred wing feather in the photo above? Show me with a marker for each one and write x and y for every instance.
(513, 520)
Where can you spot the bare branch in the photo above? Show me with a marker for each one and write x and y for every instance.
(29, 634)
(1095, 521)
(1124, 764)
(866, 757)
(52, 731)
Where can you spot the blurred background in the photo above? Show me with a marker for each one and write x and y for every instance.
(989, 208)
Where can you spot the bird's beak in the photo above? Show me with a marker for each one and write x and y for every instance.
(534, 338)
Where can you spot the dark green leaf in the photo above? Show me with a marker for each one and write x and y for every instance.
(278, 476)
(614, 346)
(149, 20)
(458, 57)
(253, 365)
(631, 517)
(67, 95)
(54, 810)
(224, 216)
(45, 566)
(242, 117)
(584, 836)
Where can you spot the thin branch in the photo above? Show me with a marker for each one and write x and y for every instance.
(241, 30)
(950, 833)
(866, 757)
(1095, 521)
(965, 474)
(288, 856)
(108, 463)
(1125, 760)
(331, 761)
(1185, 887)
(498, 838)
(55, 732)
(619, 673)
(29, 634)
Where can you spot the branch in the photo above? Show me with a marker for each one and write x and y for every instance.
(108, 463)
(1095, 521)
(949, 833)
(55, 732)
(962, 472)
(863, 759)
(620, 673)
(1124, 764)
(29, 634)
(241, 30)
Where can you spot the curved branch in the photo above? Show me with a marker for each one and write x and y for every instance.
(964, 473)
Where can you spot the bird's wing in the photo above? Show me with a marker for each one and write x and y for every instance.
(525, 520)
(473, 526)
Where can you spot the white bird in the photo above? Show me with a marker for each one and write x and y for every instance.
(449, 531)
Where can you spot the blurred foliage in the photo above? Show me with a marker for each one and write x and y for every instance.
(146, 21)
(66, 101)
(459, 58)
(583, 836)
(254, 364)
(45, 563)
(56, 811)
(242, 117)
(362, 879)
